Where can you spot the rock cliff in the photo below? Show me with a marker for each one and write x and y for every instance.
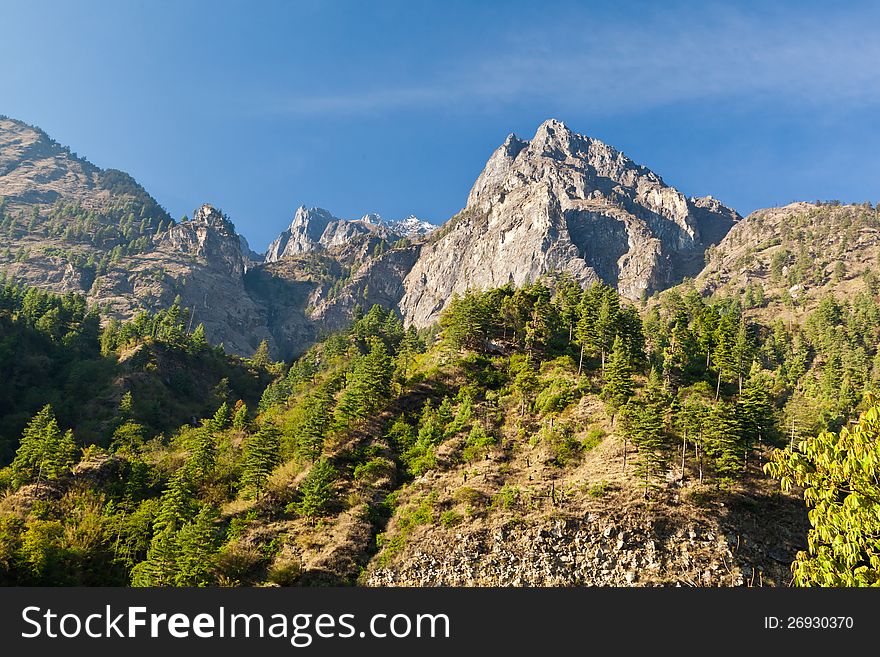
(564, 202)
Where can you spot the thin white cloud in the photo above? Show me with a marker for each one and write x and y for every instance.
(615, 67)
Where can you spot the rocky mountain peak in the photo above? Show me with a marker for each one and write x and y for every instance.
(209, 235)
(210, 216)
(564, 202)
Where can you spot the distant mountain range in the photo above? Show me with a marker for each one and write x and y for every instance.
(560, 202)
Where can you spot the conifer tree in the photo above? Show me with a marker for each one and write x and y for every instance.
(755, 413)
(312, 423)
(44, 452)
(196, 545)
(160, 566)
(198, 340)
(261, 455)
(525, 381)
(606, 322)
(619, 384)
(647, 429)
(722, 438)
(177, 504)
(203, 451)
(240, 419)
(317, 491)
(724, 355)
(261, 355)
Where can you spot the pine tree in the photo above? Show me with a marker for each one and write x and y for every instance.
(724, 354)
(312, 423)
(44, 452)
(538, 328)
(689, 420)
(240, 419)
(619, 384)
(198, 340)
(647, 428)
(261, 455)
(221, 418)
(367, 387)
(317, 490)
(126, 407)
(606, 322)
(722, 438)
(160, 566)
(203, 451)
(261, 355)
(196, 545)
(567, 299)
(755, 413)
(177, 504)
(525, 381)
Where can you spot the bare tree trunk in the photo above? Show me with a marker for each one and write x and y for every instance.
(581, 361)
(718, 386)
(683, 451)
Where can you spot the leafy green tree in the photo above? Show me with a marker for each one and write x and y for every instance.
(838, 473)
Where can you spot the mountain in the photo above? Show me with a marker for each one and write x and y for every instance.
(411, 227)
(564, 202)
(560, 202)
(796, 253)
(315, 228)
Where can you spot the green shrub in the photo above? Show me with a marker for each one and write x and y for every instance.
(373, 470)
(592, 439)
(478, 443)
(450, 518)
(507, 497)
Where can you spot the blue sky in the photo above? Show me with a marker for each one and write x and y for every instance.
(394, 107)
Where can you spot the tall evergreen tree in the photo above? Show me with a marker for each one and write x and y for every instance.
(722, 438)
(261, 455)
(619, 384)
(44, 452)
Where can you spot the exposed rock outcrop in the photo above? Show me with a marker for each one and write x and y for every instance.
(564, 202)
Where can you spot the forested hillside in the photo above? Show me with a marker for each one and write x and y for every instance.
(144, 456)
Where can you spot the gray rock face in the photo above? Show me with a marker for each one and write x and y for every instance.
(583, 552)
(315, 228)
(209, 235)
(564, 202)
